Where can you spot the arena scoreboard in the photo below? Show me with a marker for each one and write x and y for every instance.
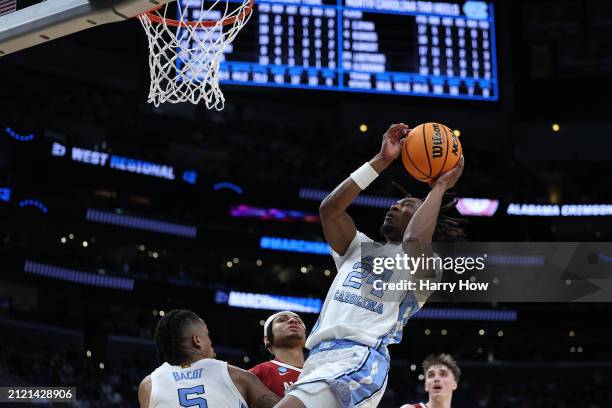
(430, 48)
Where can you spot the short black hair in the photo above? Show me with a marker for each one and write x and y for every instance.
(170, 334)
(270, 335)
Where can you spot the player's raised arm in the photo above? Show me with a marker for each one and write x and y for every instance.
(423, 223)
(420, 230)
(252, 389)
(338, 227)
(144, 392)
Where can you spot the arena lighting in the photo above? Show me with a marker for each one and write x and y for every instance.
(190, 176)
(263, 301)
(229, 186)
(478, 207)
(524, 260)
(73, 275)
(34, 203)
(467, 314)
(273, 214)
(141, 223)
(5, 194)
(362, 200)
(565, 210)
(17, 136)
(295, 245)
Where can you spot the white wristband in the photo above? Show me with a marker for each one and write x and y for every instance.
(364, 175)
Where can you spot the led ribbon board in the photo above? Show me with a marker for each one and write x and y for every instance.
(554, 210)
(141, 223)
(273, 214)
(467, 314)
(73, 275)
(295, 245)
(121, 163)
(267, 301)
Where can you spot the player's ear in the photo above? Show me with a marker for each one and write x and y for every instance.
(454, 385)
(266, 342)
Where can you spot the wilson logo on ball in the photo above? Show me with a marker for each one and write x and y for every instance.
(425, 153)
(437, 142)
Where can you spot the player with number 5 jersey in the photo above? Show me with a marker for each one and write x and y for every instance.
(191, 377)
(349, 362)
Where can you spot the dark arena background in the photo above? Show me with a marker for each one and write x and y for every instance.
(96, 244)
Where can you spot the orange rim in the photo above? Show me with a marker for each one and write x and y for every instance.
(184, 24)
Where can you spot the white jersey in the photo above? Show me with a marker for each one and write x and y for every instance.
(205, 383)
(352, 312)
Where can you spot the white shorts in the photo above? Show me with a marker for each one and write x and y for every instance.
(342, 374)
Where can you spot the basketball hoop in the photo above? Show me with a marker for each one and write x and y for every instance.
(185, 53)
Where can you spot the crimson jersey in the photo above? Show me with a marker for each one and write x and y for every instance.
(277, 376)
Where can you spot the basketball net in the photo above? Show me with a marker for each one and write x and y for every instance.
(185, 53)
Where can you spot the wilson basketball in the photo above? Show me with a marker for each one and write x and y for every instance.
(430, 149)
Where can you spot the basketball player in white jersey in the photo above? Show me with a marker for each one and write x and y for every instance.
(441, 377)
(349, 361)
(190, 376)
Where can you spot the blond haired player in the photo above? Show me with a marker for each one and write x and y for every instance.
(441, 377)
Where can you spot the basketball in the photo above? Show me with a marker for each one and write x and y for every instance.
(430, 149)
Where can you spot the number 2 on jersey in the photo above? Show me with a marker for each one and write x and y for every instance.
(184, 393)
(363, 270)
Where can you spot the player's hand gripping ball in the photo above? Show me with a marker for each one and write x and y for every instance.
(429, 150)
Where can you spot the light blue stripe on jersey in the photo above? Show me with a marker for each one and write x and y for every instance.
(376, 381)
(408, 307)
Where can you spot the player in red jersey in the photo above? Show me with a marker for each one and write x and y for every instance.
(441, 377)
(284, 337)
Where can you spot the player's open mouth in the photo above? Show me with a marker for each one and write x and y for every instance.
(437, 388)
